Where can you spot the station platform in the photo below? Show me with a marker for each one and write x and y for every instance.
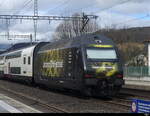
(139, 83)
(9, 105)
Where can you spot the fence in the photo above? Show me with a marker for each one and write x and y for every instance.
(137, 71)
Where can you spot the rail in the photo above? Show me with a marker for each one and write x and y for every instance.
(36, 101)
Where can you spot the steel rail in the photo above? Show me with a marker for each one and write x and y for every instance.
(39, 102)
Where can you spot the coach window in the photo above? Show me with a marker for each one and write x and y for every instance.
(24, 60)
(29, 60)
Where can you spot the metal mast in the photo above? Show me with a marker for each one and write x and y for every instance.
(35, 19)
(7, 28)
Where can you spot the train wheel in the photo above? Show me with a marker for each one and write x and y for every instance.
(1, 77)
(87, 92)
(115, 91)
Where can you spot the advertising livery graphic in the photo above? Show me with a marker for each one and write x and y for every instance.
(53, 62)
(140, 106)
(105, 68)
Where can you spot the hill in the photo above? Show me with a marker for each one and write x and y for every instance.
(129, 41)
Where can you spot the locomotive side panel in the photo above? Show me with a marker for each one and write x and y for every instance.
(59, 67)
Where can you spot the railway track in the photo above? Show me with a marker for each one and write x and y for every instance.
(35, 101)
(56, 109)
(115, 104)
(73, 104)
(119, 102)
(136, 94)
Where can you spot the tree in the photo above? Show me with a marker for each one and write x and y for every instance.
(69, 29)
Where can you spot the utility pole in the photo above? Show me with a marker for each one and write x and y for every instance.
(7, 28)
(85, 19)
(31, 38)
(35, 19)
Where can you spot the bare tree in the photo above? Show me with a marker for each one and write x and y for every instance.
(69, 29)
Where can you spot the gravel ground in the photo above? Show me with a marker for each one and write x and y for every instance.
(137, 94)
(68, 101)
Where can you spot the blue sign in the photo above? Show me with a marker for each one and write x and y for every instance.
(140, 106)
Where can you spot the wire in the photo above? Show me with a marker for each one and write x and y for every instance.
(18, 11)
(114, 6)
(89, 6)
(67, 4)
(26, 3)
(29, 8)
(135, 19)
(2, 2)
(64, 2)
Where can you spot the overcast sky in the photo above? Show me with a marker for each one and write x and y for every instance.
(129, 13)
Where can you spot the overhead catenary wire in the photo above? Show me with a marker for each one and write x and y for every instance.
(113, 6)
(131, 20)
(2, 2)
(91, 6)
(62, 4)
(26, 3)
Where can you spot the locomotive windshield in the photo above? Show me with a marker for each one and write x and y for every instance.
(101, 54)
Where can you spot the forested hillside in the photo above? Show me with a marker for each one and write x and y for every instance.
(129, 41)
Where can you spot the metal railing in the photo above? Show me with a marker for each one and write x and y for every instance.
(137, 71)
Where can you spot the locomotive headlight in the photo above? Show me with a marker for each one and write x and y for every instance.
(95, 67)
(119, 76)
(88, 76)
(102, 67)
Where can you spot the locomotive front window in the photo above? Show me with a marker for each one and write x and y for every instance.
(101, 54)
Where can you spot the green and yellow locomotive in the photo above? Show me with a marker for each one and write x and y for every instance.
(89, 63)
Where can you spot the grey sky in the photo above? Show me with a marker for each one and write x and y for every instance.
(110, 12)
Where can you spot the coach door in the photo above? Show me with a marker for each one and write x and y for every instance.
(27, 66)
(7, 68)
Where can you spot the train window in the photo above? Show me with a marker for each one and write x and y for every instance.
(15, 70)
(29, 60)
(13, 55)
(101, 54)
(24, 60)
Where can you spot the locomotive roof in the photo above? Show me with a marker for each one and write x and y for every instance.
(24, 47)
(78, 41)
(18, 46)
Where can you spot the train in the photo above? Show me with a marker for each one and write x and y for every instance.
(90, 64)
